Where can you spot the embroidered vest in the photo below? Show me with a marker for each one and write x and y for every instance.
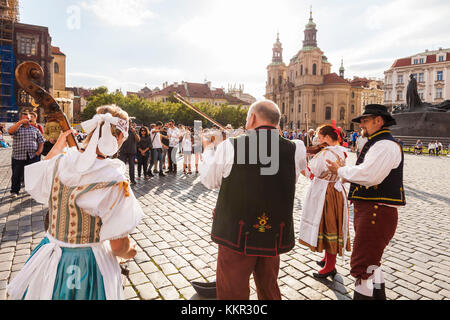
(68, 222)
(390, 191)
(254, 212)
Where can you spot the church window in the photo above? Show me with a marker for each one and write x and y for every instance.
(283, 108)
(299, 108)
(353, 108)
(56, 67)
(328, 113)
(342, 114)
(314, 69)
(280, 80)
(313, 108)
(301, 70)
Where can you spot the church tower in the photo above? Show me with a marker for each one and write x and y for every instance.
(342, 70)
(277, 56)
(310, 33)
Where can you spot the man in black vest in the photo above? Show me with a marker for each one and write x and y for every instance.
(376, 192)
(253, 219)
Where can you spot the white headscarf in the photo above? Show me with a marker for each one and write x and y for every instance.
(107, 144)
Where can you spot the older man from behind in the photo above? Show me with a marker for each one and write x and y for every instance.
(28, 144)
(253, 219)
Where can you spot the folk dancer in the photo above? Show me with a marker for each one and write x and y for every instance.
(253, 219)
(92, 212)
(325, 220)
(377, 193)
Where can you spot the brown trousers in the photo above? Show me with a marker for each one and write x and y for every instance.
(233, 275)
(375, 227)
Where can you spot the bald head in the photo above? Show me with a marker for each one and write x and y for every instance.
(265, 112)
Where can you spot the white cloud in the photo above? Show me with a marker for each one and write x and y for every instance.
(121, 13)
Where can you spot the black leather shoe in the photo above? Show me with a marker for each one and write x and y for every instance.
(379, 294)
(326, 275)
(321, 263)
(162, 174)
(359, 296)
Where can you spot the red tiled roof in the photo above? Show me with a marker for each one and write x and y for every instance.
(402, 62)
(360, 82)
(56, 50)
(431, 58)
(193, 90)
(332, 78)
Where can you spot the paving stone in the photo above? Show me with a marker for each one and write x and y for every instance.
(147, 291)
(169, 293)
(159, 280)
(179, 281)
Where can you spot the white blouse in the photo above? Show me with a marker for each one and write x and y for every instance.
(217, 165)
(117, 222)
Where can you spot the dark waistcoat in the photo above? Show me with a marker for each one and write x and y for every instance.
(254, 212)
(390, 191)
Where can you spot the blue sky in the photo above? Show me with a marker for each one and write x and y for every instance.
(126, 44)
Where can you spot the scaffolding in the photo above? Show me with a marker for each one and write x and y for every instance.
(9, 14)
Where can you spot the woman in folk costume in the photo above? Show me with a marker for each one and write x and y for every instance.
(92, 211)
(324, 224)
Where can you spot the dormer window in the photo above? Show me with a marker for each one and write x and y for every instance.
(441, 58)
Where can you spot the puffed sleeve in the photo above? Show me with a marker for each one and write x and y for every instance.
(39, 178)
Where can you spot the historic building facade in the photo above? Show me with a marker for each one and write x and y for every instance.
(432, 72)
(64, 97)
(306, 90)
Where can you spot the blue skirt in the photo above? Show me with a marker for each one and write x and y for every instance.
(78, 276)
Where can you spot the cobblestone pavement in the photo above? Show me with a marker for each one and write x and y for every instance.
(175, 246)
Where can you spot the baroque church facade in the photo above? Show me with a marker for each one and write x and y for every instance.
(306, 90)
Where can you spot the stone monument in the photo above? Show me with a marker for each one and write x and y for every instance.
(421, 119)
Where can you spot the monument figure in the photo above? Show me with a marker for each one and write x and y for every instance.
(412, 96)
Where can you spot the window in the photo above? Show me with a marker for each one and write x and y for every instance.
(328, 113)
(56, 67)
(353, 108)
(416, 61)
(440, 76)
(421, 61)
(301, 70)
(414, 75)
(399, 95)
(400, 79)
(342, 114)
(314, 69)
(438, 93)
(299, 108)
(283, 108)
(280, 80)
(441, 59)
(27, 46)
(313, 108)
(420, 93)
(421, 77)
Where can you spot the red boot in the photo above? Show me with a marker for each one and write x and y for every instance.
(329, 269)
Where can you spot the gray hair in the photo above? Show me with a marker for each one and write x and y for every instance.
(266, 110)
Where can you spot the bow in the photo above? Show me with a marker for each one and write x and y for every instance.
(106, 142)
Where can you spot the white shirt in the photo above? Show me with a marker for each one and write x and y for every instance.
(174, 137)
(156, 140)
(380, 160)
(217, 165)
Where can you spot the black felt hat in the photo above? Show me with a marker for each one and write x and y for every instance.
(377, 110)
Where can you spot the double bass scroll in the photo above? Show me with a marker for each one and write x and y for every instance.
(28, 74)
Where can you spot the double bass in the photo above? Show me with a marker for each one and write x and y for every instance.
(28, 74)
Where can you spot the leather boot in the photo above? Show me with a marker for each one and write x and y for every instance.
(379, 294)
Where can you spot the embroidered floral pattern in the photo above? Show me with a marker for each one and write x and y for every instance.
(263, 225)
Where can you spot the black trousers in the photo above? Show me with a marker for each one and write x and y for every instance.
(143, 163)
(172, 154)
(18, 171)
(130, 159)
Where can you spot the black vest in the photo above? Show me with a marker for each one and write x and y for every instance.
(254, 212)
(390, 191)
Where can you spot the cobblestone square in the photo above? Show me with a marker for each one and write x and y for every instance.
(175, 246)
